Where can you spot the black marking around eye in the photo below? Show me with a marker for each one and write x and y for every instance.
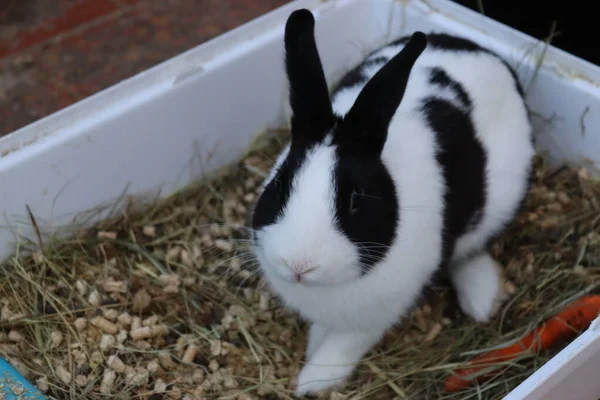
(275, 196)
(373, 227)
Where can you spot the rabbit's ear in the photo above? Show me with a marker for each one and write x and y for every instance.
(365, 126)
(309, 95)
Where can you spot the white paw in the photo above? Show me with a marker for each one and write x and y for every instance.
(479, 286)
(317, 378)
(334, 359)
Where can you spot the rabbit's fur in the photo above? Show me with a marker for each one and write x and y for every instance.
(385, 182)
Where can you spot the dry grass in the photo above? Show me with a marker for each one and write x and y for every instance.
(166, 304)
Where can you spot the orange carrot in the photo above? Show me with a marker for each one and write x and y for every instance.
(571, 320)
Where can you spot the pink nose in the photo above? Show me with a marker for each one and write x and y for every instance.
(300, 268)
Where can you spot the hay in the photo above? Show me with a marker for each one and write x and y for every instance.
(168, 304)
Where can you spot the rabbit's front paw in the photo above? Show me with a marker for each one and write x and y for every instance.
(316, 378)
(334, 360)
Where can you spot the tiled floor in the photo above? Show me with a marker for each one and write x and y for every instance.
(56, 52)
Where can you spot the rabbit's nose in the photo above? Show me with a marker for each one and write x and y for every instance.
(301, 268)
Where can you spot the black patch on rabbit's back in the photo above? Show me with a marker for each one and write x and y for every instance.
(443, 41)
(439, 77)
(356, 75)
(442, 79)
(463, 160)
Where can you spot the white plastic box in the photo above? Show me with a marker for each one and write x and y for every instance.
(153, 133)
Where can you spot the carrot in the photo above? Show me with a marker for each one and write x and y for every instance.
(567, 323)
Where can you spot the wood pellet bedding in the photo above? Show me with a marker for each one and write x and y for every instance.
(168, 303)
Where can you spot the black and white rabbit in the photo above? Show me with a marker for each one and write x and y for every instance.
(419, 157)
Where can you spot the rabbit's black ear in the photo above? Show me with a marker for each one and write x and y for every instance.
(365, 126)
(309, 94)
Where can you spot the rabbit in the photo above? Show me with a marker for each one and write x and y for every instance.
(414, 162)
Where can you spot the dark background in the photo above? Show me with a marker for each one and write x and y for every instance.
(576, 29)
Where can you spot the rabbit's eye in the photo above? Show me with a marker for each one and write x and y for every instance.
(354, 202)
